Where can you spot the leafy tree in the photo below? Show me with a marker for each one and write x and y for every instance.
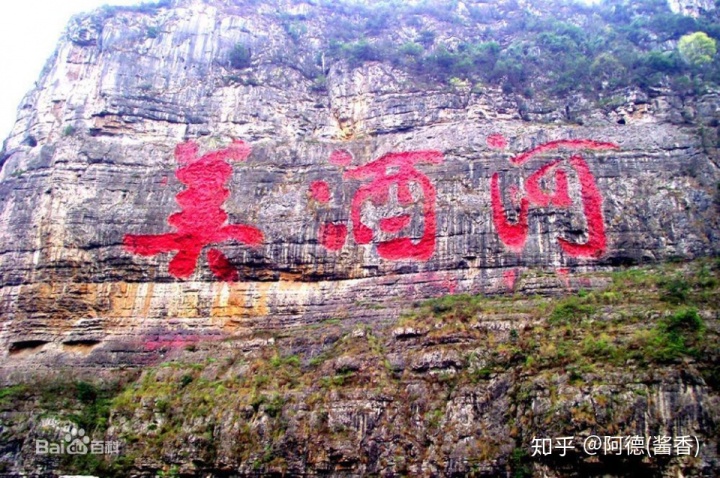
(697, 48)
(512, 67)
(606, 68)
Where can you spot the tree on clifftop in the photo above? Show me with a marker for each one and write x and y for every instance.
(697, 48)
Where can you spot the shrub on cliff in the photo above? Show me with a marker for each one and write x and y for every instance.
(240, 56)
(676, 336)
(356, 52)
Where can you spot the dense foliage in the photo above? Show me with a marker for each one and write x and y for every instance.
(568, 48)
(697, 48)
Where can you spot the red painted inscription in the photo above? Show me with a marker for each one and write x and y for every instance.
(514, 233)
(393, 171)
(202, 220)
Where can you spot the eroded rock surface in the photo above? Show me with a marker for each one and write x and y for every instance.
(90, 161)
(357, 191)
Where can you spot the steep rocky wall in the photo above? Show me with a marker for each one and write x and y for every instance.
(92, 177)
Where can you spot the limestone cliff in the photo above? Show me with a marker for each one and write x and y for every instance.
(693, 7)
(189, 173)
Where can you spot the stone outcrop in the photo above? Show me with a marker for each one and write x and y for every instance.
(186, 175)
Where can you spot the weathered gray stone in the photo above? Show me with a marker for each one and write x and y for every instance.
(90, 160)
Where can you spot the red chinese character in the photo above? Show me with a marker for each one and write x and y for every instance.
(391, 170)
(201, 221)
(396, 169)
(514, 234)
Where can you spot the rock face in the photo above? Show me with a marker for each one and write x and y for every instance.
(459, 386)
(374, 189)
(186, 175)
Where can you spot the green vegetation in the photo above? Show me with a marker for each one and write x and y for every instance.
(319, 83)
(579, 336)
(603, 48)
(294, 28)
(30, 140)
(636, 328)
(676, 336)
(520, 464)
(143, 7)
(697, 48)
(571, 310)
(10, 395)
(172, 472)
(153, 31)
(86, 404)
(240, 57)
(569, 48)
